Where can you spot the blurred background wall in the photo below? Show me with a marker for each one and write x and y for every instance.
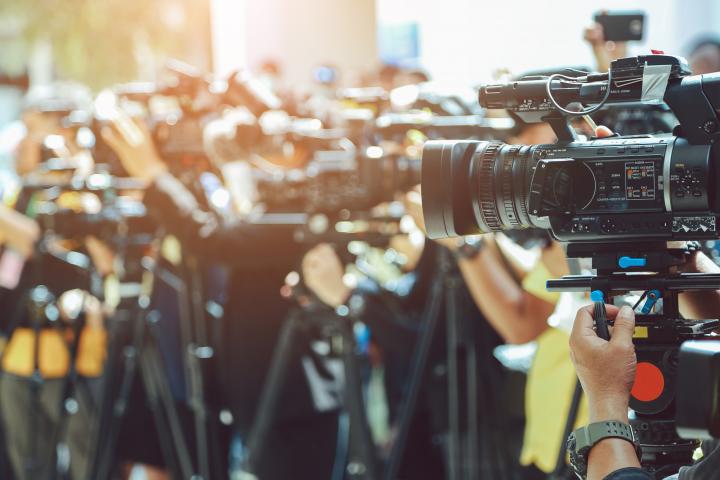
(465, 41)
(300, 35)
(462, 41)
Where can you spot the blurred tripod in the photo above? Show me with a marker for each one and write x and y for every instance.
(465, 397)
(359, 461)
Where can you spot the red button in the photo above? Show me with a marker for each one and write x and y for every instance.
(649, 382)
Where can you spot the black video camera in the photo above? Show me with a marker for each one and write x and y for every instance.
(618, 200)
(617, 189)
(338, 176)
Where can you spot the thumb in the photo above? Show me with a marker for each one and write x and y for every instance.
(602, 131)
(624, 326)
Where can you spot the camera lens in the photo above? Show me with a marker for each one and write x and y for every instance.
(471, 187)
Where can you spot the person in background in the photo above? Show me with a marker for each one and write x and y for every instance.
(516, 303)
(604, 51)
(303, 440)
(704, 56)
(44, 118)
(393, 316)
(31, 429)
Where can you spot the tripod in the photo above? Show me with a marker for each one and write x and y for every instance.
(361, 462)
(141, 356)
(653, 269)
(464, 393)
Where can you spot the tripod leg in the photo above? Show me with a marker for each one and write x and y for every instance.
(455, 405)
(170, 432)
(197, 403)
(67, 394)
(472, 447)
(195, 360)
(362, 465)
(419, 364)
(272, 389)
(112, 406)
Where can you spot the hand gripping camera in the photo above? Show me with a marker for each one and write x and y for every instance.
(617, 200)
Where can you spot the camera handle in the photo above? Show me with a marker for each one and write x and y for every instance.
(560, 125)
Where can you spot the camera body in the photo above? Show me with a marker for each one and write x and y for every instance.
(338, 179)
(616, 189)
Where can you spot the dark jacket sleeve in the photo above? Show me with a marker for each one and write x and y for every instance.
(209, 236)
(630, 474)
(707, 468)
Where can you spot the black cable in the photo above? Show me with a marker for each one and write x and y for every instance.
(587, 111)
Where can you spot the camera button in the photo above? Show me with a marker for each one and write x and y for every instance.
(649, 149)
(600, 151)
(680, 193)
(697, 193)
(634, 150)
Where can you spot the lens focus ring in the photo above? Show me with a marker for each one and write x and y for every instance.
(508, 198)
(486, 186)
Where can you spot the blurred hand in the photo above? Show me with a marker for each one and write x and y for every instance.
(18, 231)
(138, 155)
(73, 302)
(323, 274)
(39, 125)
(605, 52)
(102, 256)
(606, 369)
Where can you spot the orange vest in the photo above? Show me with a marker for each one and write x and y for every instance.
(54, 358)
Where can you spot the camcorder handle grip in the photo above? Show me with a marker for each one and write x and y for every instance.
(600, 315)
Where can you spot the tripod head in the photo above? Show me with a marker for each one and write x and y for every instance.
(656, 270)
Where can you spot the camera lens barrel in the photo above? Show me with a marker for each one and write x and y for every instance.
(471, 187)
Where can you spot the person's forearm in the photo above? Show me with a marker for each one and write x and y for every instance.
(610, 454)
(206, 235)
(18, 231)
(508, 308)
(28, 157)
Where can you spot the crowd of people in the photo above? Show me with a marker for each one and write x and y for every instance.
(522, 349)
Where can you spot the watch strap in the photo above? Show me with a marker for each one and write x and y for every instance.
(582, 440)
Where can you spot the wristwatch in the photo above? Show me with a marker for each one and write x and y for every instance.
(468, 248)
(582, 440)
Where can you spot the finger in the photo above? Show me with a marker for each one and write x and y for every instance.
(583, 325)
(602, 131)
(611, 311)
(110, 138)
(624, 326)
